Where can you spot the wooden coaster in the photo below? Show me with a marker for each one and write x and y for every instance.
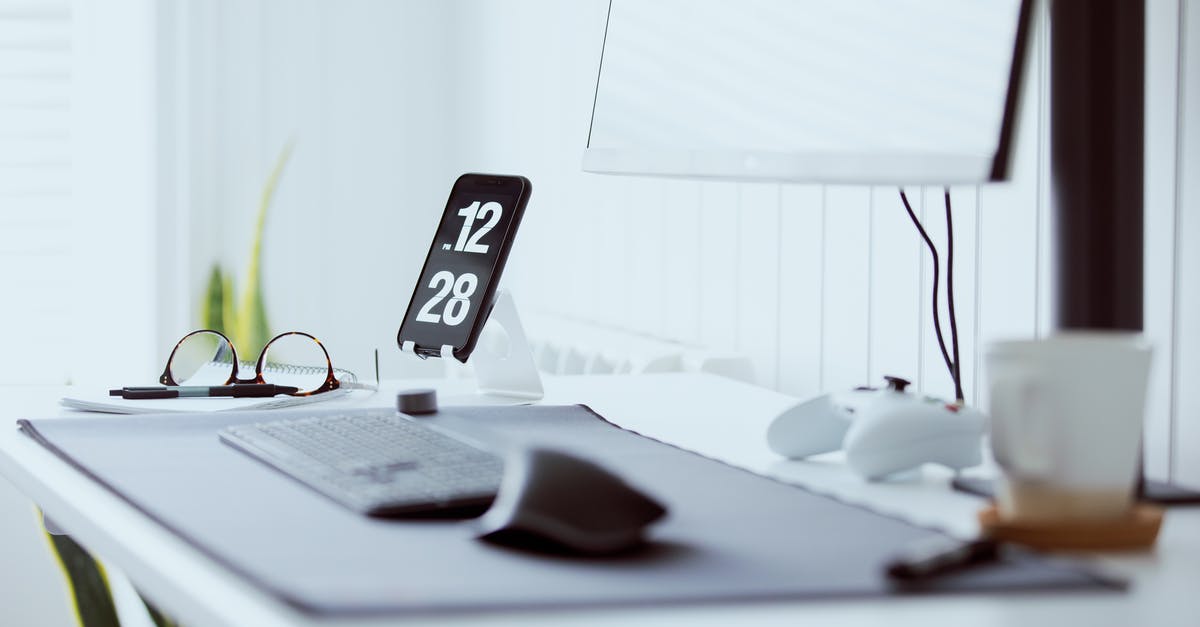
(1139, 530)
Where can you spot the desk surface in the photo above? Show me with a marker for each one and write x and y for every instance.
(711, 415)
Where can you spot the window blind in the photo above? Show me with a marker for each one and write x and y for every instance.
(35, 188)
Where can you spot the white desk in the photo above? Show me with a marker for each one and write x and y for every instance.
(708, 414)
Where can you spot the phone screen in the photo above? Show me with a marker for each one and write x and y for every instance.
(464, 264)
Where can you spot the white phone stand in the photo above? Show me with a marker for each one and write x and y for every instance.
(505, 372)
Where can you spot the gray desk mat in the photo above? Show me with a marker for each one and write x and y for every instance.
(730, 534)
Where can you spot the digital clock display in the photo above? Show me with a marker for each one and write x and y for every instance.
(457, 284)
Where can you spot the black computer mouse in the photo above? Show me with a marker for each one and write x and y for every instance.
(550, 501)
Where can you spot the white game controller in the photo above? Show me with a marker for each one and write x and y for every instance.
(882, 431)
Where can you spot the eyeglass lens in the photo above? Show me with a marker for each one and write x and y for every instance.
(297, 360)
(202, 358)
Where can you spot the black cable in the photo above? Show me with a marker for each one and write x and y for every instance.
(937, 319)
(957, 374)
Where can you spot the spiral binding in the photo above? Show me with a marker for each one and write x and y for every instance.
(281, 368)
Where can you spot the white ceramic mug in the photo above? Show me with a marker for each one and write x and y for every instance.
(1066, 423)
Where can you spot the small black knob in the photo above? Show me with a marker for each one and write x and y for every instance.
(417, 402)
(897, 384)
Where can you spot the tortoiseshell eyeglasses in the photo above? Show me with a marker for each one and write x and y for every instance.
(295, 359)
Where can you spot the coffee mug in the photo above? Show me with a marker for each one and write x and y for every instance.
(1066, 424)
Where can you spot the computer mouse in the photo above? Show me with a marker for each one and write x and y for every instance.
(551, 501)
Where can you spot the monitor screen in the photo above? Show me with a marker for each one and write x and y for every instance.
(855, 91)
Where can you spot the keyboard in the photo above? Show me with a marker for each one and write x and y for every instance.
(376, 462)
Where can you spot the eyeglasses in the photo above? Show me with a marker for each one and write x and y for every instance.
(294, 359)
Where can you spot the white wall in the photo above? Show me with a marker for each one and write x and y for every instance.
(823, 287)
(76, 179)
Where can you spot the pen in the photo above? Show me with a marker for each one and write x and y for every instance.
(938, 556)
(242, 390)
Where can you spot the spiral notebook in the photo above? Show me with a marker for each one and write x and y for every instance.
(98, 400)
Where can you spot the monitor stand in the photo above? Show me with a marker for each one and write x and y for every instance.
(505, 372)
(1151, 490)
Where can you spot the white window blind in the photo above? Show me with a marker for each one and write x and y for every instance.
(78, 184)
(35, 188)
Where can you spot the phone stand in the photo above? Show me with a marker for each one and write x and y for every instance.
(505, 372)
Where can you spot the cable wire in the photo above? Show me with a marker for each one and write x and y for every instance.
(957, 372)
(937, 319)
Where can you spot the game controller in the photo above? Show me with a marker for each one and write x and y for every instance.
(882, 431)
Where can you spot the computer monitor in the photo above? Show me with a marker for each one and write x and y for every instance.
(852, 91)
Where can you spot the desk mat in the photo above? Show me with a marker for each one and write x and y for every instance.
(730, 534)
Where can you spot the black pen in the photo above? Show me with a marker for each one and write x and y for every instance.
(242, 390)
(937, 556)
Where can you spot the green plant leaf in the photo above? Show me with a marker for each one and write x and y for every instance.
(86, 582)
(213, 305)
(228, 297)
(250, 327)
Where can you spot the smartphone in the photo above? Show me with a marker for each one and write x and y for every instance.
(457, 287)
